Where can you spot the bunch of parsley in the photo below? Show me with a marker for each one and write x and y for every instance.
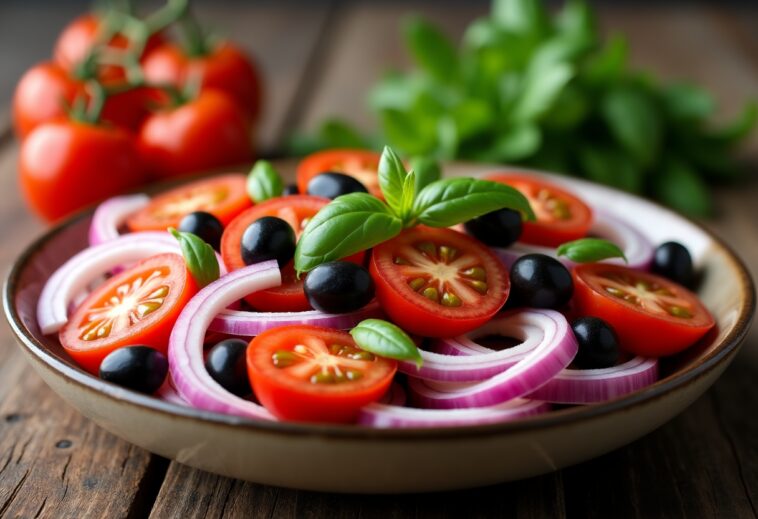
(544, 91)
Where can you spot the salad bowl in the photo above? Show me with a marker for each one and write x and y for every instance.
(358, 459)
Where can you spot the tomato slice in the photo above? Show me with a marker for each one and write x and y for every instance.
(296, 210)
(359, 164)
(561, 216)
(652, 315)
(137, 306)
(438, 282)
(223, 196)
(314, 374)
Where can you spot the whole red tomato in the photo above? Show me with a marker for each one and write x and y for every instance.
(79, 36)
(205, 133)
(66, 165)
(226, 67)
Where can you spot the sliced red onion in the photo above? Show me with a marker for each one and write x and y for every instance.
(111, 214)
(250, 324)
(73, 277)
(467, 361)
(167, 393)
(185, 349)
(555, 350)
(637, 248)
(587, 386)
(383, 415)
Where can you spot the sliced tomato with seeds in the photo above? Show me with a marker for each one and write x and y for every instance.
(652, 315)
(296, 210)
(359, 164)
(438, 282)
(223, 196)
(561, 215)
(314, 374)
(138, 306)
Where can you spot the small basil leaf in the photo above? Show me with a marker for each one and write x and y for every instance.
(199, 256)
(409, 195)
(521, 16)
(456, 200)
(391, 177)
(431, 49)
(426, 171)
(588, 250)
(384, 339)
(634, 121)
(349, 224)
(542, 85)
(264, 182)
(687, 102)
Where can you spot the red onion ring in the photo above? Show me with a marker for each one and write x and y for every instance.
(167, 393)
(250, 324)
(74, 276)
(185, 348)
(637, 248)
(383, 415)
(588, 386)
(556, 349)
(470, 362)
(111, 214)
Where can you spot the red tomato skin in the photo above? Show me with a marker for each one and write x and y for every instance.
(283, 399)
(154, 334)
(429, 322)
(639, 333)
(322, 161)
(226, 68)
(206, 133)
(65, 166)
(41, 95)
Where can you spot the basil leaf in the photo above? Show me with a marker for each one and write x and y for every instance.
(409, 195)
(384, 339)
(741, 126)
(677, 185)
(391, 177)
(687, 102)
(611, 167)
(456, 200)
(264, 182)
(349, 224)
(634, 121)
(588, 250)
(199, 256)
(431, 49)
(521, 16)
(426, 171)
(542, 85)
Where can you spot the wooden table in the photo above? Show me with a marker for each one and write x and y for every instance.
(318, 60)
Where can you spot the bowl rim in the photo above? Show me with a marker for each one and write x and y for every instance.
(699, 367)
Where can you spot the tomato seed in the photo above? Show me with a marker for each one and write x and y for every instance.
(475, 273)
(479, 286)
(447, 254)
(283, 358)
(431, 293)
(450, 299)
(428, 249)
(417, 283)
(678, 311)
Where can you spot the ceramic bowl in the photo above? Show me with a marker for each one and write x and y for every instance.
(359, 459)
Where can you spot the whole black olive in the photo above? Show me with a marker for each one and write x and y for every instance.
(205, 226)
(497, 229)
(268, 238)
(140, 368)
(338, 287)
(540, 281)
(331, 185)
(598, 343)
(290, 189)
(227, 365)
(672, 260)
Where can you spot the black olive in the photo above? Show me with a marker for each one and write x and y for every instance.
(203, 225)
(227, 365)
(497, 229)
(338, 287)
(540, 281)
(672, 260)
(266, 239)
(291, 189)
(598, 343)
(140, 368)
(331, 185)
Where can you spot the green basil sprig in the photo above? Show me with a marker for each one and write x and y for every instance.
(589, 250)
(264, 182)
(358, 221)
(386, 340)
(200, 258)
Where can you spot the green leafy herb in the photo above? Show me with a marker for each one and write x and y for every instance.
(530, 88)
(384, 339)
(200, 258)
(391, 179)
(349, 224)
(455, 200)
(264, 182)
(426, 171)
(588, 250)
